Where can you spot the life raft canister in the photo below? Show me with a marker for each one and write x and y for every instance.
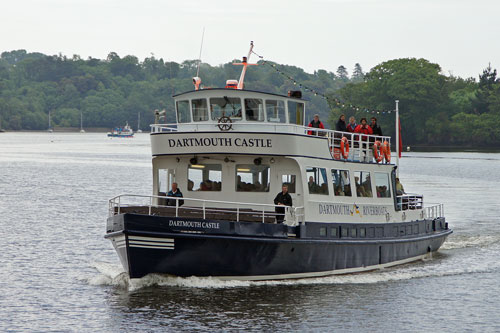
(378, 151)
(387, 151)
(344, 147)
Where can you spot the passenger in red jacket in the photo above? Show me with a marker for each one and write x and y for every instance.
(363, 127)
(316, 123)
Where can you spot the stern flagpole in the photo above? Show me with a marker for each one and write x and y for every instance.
(397, 138)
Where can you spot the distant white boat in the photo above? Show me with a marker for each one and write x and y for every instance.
(121, 132)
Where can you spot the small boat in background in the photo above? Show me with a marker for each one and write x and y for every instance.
(122, 132)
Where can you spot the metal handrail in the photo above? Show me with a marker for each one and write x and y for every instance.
(115, 205)
(410, 201)
(434, 211)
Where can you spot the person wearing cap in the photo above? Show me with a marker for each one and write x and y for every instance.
(316, 123)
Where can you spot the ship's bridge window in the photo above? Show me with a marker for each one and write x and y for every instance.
(341, 182)
(363, 184)
(295, 113)
(200, 109)
(225, 107)
(204, 177)
(382, 185)
(183, 112)
(254, 109)
(252, 178)
(275, 111)
(317, 180)
(289, 181)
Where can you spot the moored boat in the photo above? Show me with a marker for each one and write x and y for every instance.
(122, 132)
(231, 151)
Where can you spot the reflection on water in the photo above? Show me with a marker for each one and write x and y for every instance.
(59, 273)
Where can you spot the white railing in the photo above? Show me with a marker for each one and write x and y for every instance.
(434, 211)
(409, 201)
(292, 216)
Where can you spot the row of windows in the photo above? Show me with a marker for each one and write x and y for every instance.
(255, 109)
(257, 178)
(371, 232)
(318, 183)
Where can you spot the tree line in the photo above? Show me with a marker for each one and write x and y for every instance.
(435, 109)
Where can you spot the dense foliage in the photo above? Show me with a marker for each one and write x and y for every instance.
(435, 109)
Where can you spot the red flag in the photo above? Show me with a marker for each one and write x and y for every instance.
(400, 139)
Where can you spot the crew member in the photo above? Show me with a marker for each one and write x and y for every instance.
(282, 199)
(174, 192)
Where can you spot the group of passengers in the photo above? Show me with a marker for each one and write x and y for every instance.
(242, 186)
(314, 188)
(363, 127)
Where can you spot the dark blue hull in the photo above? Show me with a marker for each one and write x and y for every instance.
(250, 250)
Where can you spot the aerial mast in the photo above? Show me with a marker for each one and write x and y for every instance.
(244, 63)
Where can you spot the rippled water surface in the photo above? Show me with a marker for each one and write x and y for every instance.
(58, 273)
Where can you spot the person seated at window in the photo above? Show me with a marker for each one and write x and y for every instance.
(400, 190)
(313, 187)
(323, 188)
(282, 199)
(190, 185)
(175, 193)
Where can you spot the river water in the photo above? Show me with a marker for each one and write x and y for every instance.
(58, 273)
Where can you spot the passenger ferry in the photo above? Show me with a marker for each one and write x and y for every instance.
(122, 132)
(230, 152)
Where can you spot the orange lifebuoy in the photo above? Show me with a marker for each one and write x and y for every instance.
(378, 151)
(344, 147)
(387, 151)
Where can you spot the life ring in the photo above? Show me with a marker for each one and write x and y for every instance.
(344, 147)
(378, 151)
(387, 151)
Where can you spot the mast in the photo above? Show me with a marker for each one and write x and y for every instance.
(245, 64)
(397, 138)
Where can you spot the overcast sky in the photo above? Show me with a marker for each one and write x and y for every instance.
(460, 35)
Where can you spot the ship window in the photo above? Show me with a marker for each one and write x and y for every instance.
(344, 231)
(254, 109)
(363, 184)
(252, 178)
(333, 232)
(275, 111)
(371, 232)
(200, 109)
(317, 181)
(225, 106)
(382, 185)
(362, 232)
(183, 112)
(204, 177)
(341, 182)
(354, 232)
(415, 228)
(322, 231)
(395, 231)
(295, 113)
(289, 181)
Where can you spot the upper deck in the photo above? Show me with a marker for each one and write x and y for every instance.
(231, 121)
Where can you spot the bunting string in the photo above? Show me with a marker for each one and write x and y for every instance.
(334, 100)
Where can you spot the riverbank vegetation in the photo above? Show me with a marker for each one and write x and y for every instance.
(434, 108)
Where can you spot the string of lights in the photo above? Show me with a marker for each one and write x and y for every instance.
(334, 100)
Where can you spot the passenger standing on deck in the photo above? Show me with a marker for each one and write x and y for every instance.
(282, 199)
(375, 127)
(341, 125)
(363, 128)
(316, 123)
(352, 124)
(176, 193)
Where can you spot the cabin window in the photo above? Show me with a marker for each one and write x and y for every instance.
(254, 109)
(225, 106)
(322, 231)
(343, 231)
(341, 182)
(183, 112)
(275, 111)
(165, 180)
(295, 113)
(204, 177)
(362, 232)
(354, 232)
(252, 178)
(289, 181)
(200, 109)
(333, 232)
(317, 181)
(363, 184)
(382, 185)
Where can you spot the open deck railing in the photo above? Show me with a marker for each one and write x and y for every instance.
(360, 145)
(434, 211)
(410, 201)
(242, 210)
